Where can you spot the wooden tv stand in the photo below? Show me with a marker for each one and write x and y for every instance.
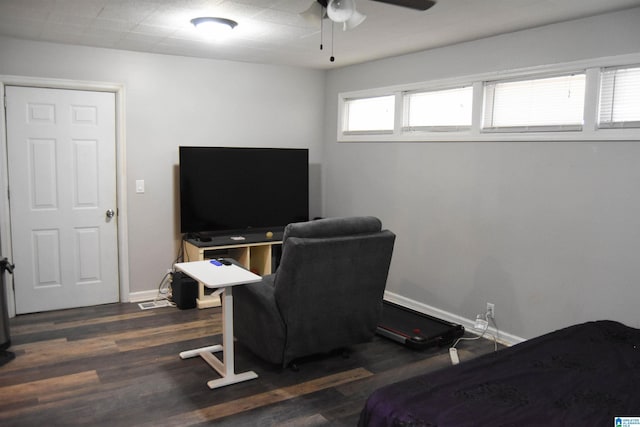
(255, 253)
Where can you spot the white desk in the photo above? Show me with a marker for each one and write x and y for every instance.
(222, 277)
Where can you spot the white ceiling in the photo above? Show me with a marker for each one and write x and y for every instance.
(273, 32)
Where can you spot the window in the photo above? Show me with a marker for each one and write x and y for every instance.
(619, 98)
(586, 100)
(545, 104)
(442, 110)
(369, 115)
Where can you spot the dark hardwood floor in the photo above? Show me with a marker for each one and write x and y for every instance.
(116, 365)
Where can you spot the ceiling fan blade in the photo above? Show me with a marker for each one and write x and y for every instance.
(411, 4)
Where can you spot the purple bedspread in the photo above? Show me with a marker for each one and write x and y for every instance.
(583, 375)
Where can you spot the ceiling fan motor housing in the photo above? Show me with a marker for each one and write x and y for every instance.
(411, 4)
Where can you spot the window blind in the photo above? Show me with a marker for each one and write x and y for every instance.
(441, 110)
(543, 104)
(619, 98)
(374, 114)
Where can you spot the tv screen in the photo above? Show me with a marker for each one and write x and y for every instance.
(226, 189)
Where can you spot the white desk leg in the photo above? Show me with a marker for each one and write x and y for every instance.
(196, 352)
(229, 376)
(225, 368)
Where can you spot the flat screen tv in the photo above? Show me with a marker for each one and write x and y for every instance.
(228, 190)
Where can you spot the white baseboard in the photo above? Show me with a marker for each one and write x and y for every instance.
(502, 337)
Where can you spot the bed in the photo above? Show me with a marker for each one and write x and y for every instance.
(582, 375)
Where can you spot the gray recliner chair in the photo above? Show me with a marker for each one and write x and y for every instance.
(326, 294)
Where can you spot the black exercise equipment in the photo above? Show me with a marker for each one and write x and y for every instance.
(414, 329)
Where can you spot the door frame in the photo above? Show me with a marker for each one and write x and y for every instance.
(121, 175)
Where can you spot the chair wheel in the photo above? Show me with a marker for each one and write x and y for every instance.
(294, 367)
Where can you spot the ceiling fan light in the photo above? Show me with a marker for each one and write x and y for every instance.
(313, 15)
(340, 10)
(356, 19)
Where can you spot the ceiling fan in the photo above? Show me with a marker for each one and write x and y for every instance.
(344, 11)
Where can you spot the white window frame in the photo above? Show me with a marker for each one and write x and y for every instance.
(589, 132)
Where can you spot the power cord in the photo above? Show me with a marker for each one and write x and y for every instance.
(164, 287)
(453, 351)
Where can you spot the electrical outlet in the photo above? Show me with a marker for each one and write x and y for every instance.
(491, 310)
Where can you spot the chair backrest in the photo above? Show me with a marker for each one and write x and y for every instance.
(330, 282)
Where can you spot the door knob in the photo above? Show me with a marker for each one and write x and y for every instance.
(110, 213)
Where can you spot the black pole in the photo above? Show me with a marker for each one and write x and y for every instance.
(5, 338)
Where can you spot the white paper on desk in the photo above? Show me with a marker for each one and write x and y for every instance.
(214, 276)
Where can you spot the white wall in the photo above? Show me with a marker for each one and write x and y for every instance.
(172, 101)
(548, 231)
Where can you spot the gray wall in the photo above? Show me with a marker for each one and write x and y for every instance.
(548, 231)
(172, 101)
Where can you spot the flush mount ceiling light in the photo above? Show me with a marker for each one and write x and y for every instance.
(213, 26)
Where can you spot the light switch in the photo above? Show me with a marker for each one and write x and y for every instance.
(139, 185)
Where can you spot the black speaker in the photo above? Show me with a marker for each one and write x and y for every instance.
(184, 291)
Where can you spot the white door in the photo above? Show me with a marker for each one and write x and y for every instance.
(62, 184)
